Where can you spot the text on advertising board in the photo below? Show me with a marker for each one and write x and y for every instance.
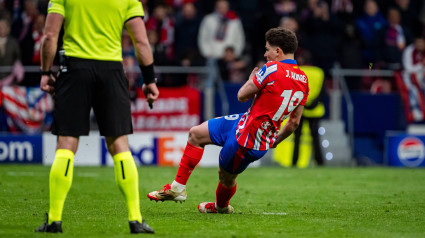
(177, 109)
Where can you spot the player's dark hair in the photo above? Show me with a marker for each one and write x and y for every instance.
(283, 38)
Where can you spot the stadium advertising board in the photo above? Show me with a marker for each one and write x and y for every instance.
(20, 148)
(177, 109)
(405, 150)
(88, 153)
(163, 149)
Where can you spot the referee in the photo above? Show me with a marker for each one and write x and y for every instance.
(92, 76)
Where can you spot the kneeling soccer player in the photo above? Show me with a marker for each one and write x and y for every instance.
(279, 90)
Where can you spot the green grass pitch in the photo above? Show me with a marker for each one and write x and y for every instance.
(269, 202)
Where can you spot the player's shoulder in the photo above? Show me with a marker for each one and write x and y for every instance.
(270, 66)
(270, 63)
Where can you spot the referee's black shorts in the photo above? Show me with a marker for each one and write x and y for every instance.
(92, 83)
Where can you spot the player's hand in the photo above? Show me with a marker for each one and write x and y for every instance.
(253, 73)
(151, 93)
(47, 84)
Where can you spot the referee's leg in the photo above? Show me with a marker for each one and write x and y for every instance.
(127, 179)
(61, 174)
(126, 175)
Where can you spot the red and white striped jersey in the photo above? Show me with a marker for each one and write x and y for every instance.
(283, 86)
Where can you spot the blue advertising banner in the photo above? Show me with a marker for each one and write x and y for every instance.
(21, 149)
(405, 150)
(144, 151)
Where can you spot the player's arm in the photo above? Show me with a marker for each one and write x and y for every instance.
(249, 89)
(290, 126)
(48, 49)
(137, 31)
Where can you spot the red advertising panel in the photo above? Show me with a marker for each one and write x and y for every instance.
(177, 109)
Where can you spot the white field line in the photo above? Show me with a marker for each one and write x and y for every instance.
(25, 174)
(32, 174)
(275, 213)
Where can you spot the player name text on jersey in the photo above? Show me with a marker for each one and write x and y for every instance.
(295, 76)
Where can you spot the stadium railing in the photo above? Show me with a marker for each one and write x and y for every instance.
(340, 89)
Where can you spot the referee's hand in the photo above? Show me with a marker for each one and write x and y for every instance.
(47, 84)
(151, 93)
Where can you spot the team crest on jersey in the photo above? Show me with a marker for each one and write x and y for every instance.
(265, 125)
(260, 72)
(50, 5)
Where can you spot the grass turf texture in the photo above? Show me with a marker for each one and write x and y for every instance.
(269, 202)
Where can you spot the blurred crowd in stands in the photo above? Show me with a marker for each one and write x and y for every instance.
(356, 34)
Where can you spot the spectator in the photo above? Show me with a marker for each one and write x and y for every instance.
(273, 11)
(324, 32)
(265, 19)
(308, 11)
(289, 23)
(37, 34)
(25, 23)
(219, 30)
(350, 51)
(187, 52)
(163, 25)
(369, 25)
(178, 5)
(285, 8)
(9, 56)
(411, 83)
(409, 12)
(414, 57)
(15, 8)
(232, 69)
(186, 48)
(32, 79)
(292, 24)
(343, 9)
(158, 49)
(159, 54)
(393, 39)
(350, 55)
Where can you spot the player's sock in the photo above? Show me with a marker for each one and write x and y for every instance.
(177, 187)
(60, 181)
(191, 157)
(224, 194)
(127, 180)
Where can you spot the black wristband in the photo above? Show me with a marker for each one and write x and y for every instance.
(148, 74)
(46, 72)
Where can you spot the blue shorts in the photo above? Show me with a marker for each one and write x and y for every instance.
(233, 157)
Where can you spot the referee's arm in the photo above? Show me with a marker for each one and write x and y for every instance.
(48, 49)
(137, 31)
(50, 39)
